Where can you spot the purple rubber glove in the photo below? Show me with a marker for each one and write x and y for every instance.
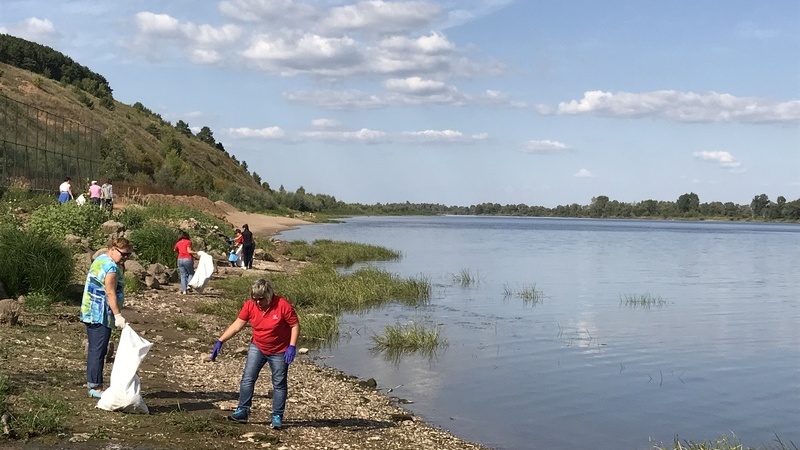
(215, 351)
(288, 356)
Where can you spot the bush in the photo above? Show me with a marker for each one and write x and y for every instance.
(37, 301)
(33, 262)
(154, 242)
(69, 218)
(133, 217)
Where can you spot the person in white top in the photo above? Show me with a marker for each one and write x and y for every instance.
(107, 195)
(65, 191)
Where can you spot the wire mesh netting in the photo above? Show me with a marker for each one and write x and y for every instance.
(40, 149)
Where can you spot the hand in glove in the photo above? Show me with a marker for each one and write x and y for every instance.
(288, 356)
(120, 321)
(216, 349)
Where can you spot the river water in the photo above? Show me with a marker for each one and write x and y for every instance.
(715, 352)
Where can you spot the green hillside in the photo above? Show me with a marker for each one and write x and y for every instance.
(135, 145)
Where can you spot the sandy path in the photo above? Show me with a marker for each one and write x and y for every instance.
(260, 224)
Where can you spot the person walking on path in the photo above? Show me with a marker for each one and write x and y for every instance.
(101, 304)
(185, 260)
(65, 191)
(275, 331)
(95, 191)
(248, 246)
(107, 191)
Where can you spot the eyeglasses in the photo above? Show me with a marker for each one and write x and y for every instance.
(123, 254)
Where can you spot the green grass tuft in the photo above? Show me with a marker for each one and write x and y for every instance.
(202, 423)
(33, 261)
(465, 278)
(645, 300)
(185, 322)
(38, 301)
(320, 294)
(326, 251)
(725, 443)
(153, 243)
(44, 415)
(401, 339)
(527, 292)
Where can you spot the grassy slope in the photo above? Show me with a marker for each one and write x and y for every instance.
(143, 149)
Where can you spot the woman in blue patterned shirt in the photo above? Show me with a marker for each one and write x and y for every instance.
(103, 296)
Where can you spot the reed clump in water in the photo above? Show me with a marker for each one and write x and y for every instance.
(725, 443)
(645, 300)
(465, 278)
(413, 337)
(527, 292)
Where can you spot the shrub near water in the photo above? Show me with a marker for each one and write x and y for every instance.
(33, 262)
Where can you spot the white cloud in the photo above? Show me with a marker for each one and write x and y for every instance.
(325, 123)
(415, 86)
(443, 136)
(721, 157)
(401, 92)
(368, 136)
(291, 54)
(381, 17)
(283, 12)
(544, 146)
(289, 38)
(259, 133)
(682, 107)
(583, 173)
(363, 135)
(201, 43)
(34, 29)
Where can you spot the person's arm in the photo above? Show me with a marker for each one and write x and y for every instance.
(110, 282)
(295, 334)
(233, 329)
(111, 292)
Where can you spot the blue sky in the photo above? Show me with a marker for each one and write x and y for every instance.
(461, 102)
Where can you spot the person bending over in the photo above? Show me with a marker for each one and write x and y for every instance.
(275, 331)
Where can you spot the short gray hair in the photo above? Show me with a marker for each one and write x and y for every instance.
(262, 288)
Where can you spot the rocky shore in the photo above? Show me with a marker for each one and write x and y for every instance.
(189, 396)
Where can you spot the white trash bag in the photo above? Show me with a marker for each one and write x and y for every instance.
(205, 268)
(124, 393)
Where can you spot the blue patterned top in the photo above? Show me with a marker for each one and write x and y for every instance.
(94, 305)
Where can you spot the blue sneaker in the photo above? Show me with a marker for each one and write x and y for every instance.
(277, 422)
(240, 415)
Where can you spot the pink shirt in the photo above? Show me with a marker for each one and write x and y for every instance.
(94, 191)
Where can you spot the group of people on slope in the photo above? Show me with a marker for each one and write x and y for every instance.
(102, 196)
(274, 322)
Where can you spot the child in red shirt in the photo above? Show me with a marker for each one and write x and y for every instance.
(275, 331)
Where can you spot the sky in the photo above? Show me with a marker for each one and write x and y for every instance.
(461, 102)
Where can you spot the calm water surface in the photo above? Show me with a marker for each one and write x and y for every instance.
(580, 369)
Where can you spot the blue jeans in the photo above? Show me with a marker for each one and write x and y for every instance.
(186, 269)
(98, 336)
(252, 368)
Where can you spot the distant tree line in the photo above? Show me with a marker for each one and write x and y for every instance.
(55, 65)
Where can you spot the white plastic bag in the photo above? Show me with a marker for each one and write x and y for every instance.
(124, 393)
(203, 272)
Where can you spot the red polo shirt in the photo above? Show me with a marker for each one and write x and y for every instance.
(272, 327)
